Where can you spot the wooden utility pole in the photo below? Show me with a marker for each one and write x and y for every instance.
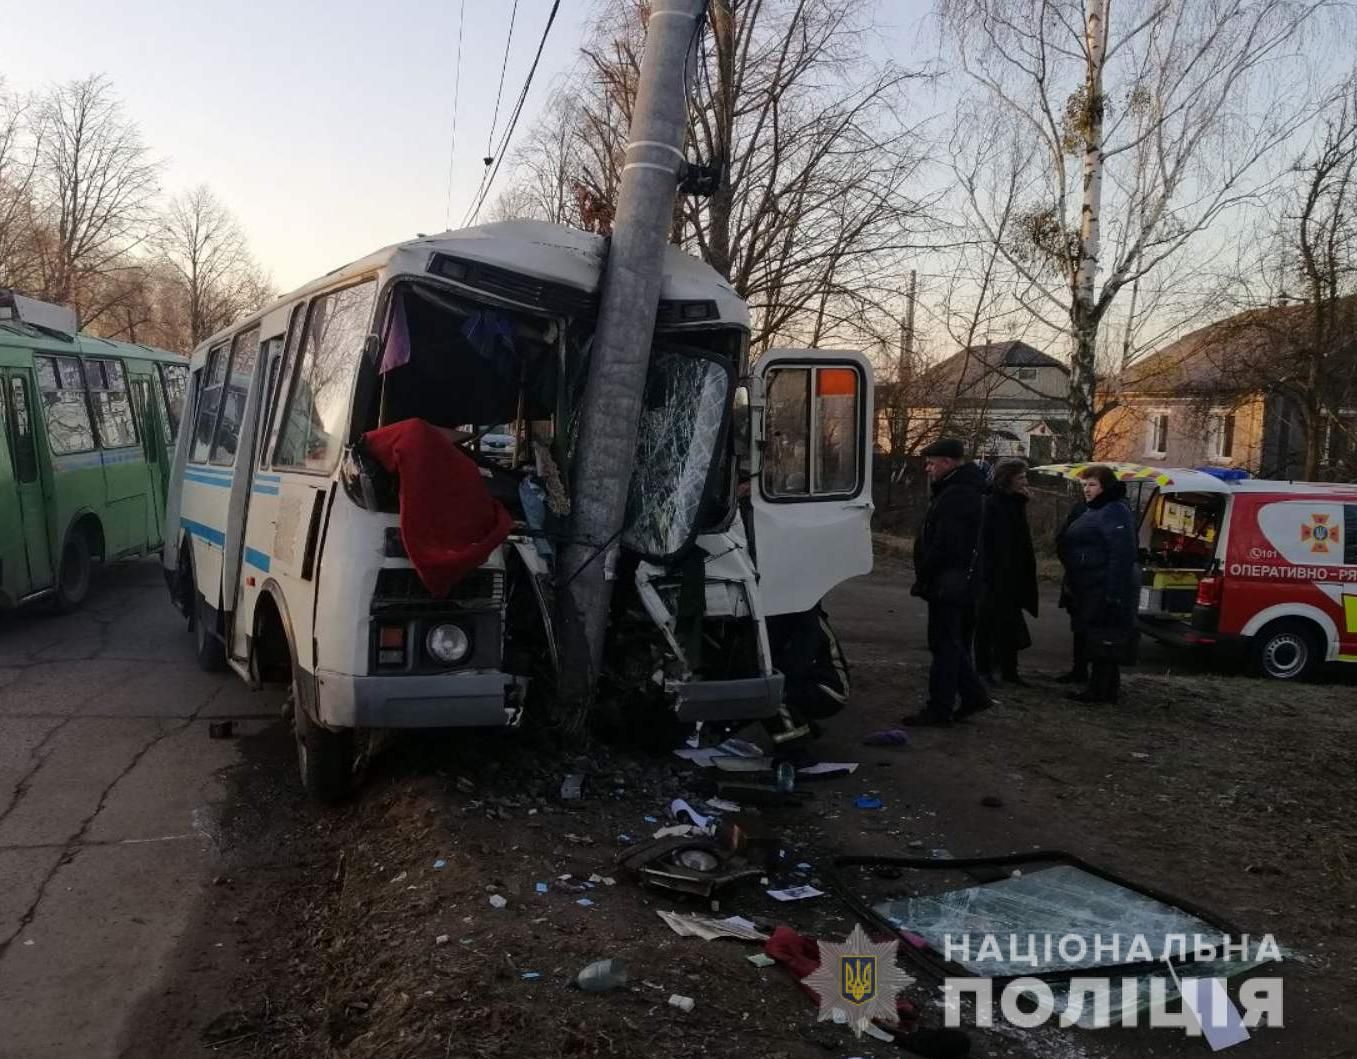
(606, 449)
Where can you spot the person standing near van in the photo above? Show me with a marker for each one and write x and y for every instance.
(947, 576)
(1009, 584)
(1098, 550)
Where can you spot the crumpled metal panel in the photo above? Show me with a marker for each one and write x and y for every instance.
(685, 405)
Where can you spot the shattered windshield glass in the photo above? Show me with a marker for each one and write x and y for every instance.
(685, 407)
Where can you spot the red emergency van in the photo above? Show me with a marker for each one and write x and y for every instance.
(1269, 567)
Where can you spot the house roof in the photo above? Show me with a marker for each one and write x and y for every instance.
(1238, 354)
(964, 369)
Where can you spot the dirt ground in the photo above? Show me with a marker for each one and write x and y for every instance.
(322, 935)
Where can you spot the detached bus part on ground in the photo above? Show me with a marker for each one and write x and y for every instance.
(284, 550)
(1266, 568)
(87, 428)
(1035, 901)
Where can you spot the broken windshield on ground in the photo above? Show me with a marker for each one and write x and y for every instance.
(1056, 903)
(680, 433)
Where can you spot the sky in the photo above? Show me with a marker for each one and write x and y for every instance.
(325, 127)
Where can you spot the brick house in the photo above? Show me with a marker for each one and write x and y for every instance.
(1212, 399)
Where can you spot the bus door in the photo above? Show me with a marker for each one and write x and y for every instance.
(154, 446)
(30, 504)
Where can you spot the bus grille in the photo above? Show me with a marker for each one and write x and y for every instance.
(402, 590)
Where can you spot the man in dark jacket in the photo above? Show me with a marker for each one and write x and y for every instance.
(1009, 584)
(947, 577)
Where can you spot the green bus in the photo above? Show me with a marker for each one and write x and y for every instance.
(87, 429)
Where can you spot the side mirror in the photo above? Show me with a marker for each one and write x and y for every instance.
(749, 425)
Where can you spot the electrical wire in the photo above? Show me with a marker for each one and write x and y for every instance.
(489, 180)
(456, 96)
(499, 93)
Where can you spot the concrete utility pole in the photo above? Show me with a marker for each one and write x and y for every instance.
(621, 350)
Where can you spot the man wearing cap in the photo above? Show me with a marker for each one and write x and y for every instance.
(947, 577)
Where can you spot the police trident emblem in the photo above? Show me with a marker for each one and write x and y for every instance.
(858, 981)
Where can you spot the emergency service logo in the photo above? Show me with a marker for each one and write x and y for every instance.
(858, 981)
(1320, 534)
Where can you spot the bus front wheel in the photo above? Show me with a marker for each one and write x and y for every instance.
(325, 758)
(73, 576)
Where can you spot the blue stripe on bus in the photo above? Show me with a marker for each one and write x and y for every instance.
(207, 533)
(257, 559)
(268, 478)
(203, 468)
(202, 479)
(266, 490)
(78, 461)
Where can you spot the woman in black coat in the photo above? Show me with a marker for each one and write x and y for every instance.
(1098, 550)
(1009, 584)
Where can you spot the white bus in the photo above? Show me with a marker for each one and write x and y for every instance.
(283, 548)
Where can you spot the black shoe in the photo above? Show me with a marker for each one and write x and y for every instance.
(927, 719)
(1074, 676)
(974, 708)
(1087, 696)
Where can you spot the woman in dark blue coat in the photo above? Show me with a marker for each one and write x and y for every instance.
(1098, 550)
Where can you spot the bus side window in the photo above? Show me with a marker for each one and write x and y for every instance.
(25, 452)
(244, 353)
(62, 383)
(111, 403)
(209, 403)
(269, 444)
(273, 350)
(174, 383)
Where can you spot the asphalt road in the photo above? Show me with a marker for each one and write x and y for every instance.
(109, 789)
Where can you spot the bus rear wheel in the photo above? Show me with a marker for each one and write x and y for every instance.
(1287, 650)
(325, 758)
(74, 573)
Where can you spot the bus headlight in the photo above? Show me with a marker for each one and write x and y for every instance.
(447, 644)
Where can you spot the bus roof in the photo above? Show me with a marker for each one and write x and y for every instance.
(552, 253)
(20, 336)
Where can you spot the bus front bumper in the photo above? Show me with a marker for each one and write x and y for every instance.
(481, 699)
(747, 699)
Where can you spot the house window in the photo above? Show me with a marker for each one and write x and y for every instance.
(1220, 435)
(1027, 374)
(1157, 442)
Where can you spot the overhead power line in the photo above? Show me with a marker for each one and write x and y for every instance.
(499, 92)
(456, 96)
(488, 181)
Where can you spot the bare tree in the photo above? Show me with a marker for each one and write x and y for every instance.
(1296, 338)
(1145, 122)
(203, 247)
(19, 144)
(812, 219)
(95, 187)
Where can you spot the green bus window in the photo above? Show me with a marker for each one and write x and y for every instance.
(111, 402)
(244, 353)
(174, 379)
(25, 453)
(313, 427)
(209, 403)
(62, 384)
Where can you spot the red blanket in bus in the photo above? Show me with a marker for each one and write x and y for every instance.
(449, 522)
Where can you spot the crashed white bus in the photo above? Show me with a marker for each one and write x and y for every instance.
(286, 548)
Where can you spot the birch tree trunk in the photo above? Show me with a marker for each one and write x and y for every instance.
(1085, 314)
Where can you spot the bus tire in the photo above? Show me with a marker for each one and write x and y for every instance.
(74, 572)
(325, 758)
(208, 651)
(1287, 649)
